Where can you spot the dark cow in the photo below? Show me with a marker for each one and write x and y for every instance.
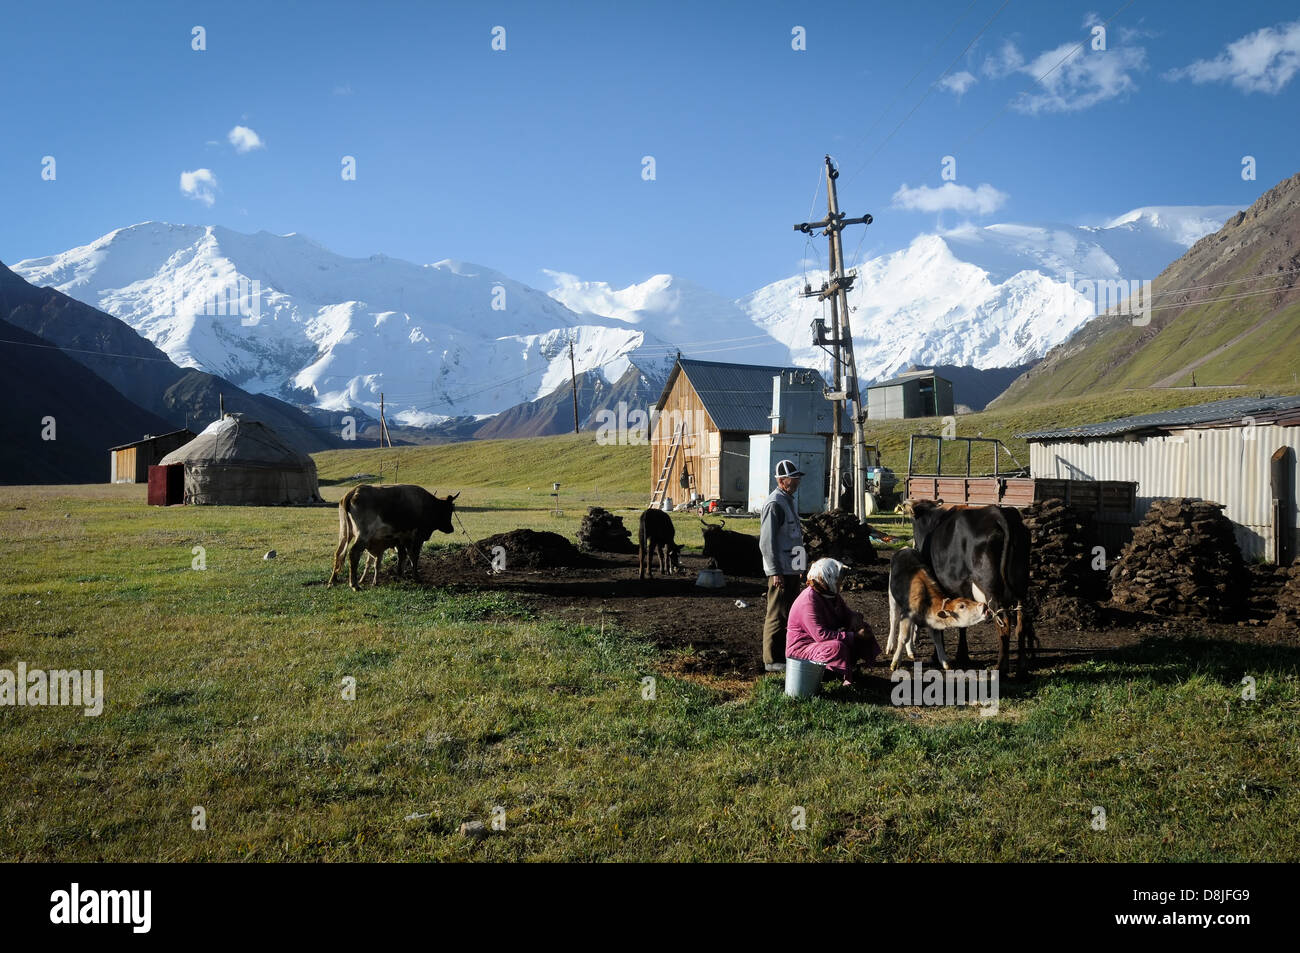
(375, 518)
(733, 552)
(916, 601)
(981, 553)
(656, 537)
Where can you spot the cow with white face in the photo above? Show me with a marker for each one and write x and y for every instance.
(375, 518)
(916, 601)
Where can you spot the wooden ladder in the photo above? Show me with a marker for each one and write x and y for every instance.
(661, 486)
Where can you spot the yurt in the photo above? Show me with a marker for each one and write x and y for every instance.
(235, 461)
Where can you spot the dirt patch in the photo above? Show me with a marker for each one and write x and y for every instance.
(706, 637)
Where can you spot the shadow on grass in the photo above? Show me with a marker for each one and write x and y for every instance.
(1158, 659)
(1167, 659)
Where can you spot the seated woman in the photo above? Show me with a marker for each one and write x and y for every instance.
(822, 628)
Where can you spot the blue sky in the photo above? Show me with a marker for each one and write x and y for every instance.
(531, 158)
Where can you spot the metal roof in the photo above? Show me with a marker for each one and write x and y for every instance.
(908, 376)
(737, 396)
(150, 438)
(1262, 409)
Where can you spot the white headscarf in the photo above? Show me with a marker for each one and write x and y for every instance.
(827, 572)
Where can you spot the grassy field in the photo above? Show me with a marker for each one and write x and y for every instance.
(522, 471)
(225, 691)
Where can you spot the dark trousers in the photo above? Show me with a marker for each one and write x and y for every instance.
(780, 597)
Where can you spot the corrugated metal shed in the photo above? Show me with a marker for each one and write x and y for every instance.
(1218, 451)
(919, 393)
(130, 462)
(1231, 411)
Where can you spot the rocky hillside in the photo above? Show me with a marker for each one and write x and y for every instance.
(1226, 313)
(140, 372)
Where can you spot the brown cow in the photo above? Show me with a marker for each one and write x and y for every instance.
(375, 518)
(916, 601)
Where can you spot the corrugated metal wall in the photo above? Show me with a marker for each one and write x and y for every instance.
(1224, 465)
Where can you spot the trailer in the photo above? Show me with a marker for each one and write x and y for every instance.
(1106, 501)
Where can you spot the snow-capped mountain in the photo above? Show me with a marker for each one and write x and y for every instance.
(702, 322)
(440, 340)
(992, 296)
(452, 339)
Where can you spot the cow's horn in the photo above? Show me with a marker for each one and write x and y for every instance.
(454, 495)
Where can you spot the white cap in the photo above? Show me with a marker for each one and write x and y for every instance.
(787, 468)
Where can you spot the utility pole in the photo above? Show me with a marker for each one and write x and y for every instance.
(573, 377)
(383, 424)
(221, 406)
(846, 370)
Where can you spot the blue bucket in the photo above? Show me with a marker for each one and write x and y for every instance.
(803, 679)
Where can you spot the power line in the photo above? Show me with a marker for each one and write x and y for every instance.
(929, 89)
(866, 136)
(1224, 284)
(78, 350)
(1039, 80)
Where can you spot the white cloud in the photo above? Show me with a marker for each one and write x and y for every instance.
(344, 89)
(245, 139)
(562, 279)
(1073, 76)
(1005, 62)
(200, 185)
(958, 82)
(1260, 62)
(950, 196)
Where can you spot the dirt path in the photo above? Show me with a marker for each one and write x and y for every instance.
(1258, 326)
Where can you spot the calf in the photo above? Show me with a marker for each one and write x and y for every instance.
(916, 601)
(375, 518)
(405, 561)
(735, 553)
(981, 553)
(656, 537)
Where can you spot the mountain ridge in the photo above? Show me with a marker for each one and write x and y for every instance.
(1227, 312)
(451, 341)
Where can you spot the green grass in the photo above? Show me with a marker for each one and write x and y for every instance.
(224, 690)
(518, 473)
(1003, 423)
(1124, 357)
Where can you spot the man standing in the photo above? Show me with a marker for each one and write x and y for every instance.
(779, 533)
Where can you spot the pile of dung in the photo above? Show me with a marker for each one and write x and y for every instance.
(838, 535)
(603, 532)
(524, 549)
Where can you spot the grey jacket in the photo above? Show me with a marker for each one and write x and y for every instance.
(779, 533)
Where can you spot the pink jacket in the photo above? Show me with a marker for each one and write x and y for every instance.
(817, 618)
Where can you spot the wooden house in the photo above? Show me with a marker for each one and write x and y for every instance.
(706, 414)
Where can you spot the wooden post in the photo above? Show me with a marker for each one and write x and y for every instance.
(837, 289)
(221, 406)
(573, 377)
(837, 412)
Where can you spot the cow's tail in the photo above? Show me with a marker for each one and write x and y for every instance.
(345, 531)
